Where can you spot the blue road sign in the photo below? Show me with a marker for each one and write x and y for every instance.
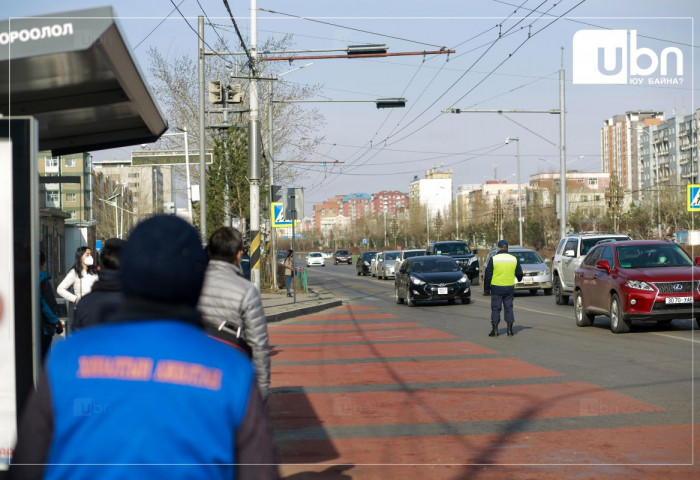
(277, 214)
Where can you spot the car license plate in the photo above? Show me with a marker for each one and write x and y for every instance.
(442, 290)
(671, 300)
(527, 280)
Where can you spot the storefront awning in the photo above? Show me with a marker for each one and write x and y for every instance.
(75, 74)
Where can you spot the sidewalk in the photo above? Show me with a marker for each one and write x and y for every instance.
(278, 306)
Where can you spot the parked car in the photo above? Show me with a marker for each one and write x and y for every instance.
(536, 272)
(431, 277)
(315, 258)
(328, 254)
(387, 264)
(649, 280)
(459, 251)
(363, 262)
(342, 256)
(373, 263)
(414, 252)
(567, 258)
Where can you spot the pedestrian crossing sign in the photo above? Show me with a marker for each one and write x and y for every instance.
(693, 198)
(277, 216)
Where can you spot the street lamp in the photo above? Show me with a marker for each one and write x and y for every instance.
(520, 207)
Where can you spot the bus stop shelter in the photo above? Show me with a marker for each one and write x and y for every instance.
(70, 84)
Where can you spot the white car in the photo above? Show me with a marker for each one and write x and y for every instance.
(315, 258)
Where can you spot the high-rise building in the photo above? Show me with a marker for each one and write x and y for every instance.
(619, 144)
(432, 193)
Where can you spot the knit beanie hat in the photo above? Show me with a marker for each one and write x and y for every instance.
(163, 261)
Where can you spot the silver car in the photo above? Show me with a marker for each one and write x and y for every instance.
(386, 264)
(536, 272)
(373, 263)
(413, 252)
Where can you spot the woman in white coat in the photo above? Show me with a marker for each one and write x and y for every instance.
(80, 278)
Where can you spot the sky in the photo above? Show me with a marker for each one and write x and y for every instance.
(508, 54)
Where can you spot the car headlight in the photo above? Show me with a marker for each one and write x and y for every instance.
(367, 263)
(639, 285)
(463, 279)
(417, 281)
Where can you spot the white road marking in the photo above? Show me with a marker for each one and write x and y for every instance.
(675, 337)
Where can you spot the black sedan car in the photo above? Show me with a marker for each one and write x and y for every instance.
(363, 262)
(431, 277)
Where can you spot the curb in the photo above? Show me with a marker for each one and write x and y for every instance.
(298, 312)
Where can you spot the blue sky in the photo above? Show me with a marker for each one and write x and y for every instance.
(384, 149)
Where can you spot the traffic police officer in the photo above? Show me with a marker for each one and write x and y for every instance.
(499, 280)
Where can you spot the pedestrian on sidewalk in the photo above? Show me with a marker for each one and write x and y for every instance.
(80, 278)
(229, 300)
(105, 297)
(50, 323)
(289, 270)
(499, 280)
(148, 394)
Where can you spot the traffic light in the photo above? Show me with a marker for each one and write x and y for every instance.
(233, 93)
(214, 89)
(275, 193)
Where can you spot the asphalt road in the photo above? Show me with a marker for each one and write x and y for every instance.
(384, 390)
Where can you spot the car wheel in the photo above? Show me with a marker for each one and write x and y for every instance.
(359, 273)
(547, 291)
(697, 322)
(617, 322)
(398, 299)
(466, 300)
(583, 319)
(476, 281)
(409, 300)
(533, 291)
(559, 296)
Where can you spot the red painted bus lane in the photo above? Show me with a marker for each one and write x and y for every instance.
(393, 372)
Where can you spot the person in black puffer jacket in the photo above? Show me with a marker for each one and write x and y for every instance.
(106, 294)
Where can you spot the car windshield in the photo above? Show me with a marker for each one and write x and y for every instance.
(368, 255)
(315, 254)
(419, 253)
(452, 249)
(434, 266)
(527, 257)
(342, 252)
(645, 256)
(588, 243)
(390, 256)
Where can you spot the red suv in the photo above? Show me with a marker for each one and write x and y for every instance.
(649, 280)
(342, 256)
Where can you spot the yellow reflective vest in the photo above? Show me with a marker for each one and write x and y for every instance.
(504, 265)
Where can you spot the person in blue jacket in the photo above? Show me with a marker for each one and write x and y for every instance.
(50, 323)
(147, 394)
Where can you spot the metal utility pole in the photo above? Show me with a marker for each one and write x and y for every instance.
(202, 140)
(520, 207)
(254, 151)
(271, 168)
(562, 151)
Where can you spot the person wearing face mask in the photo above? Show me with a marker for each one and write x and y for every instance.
(80, 278)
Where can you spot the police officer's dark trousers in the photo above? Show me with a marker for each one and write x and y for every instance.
(502, 297)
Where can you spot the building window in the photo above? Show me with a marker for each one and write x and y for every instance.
(592, 182)
(71, 197)
(52, 198)
(51, 162)
(69, 162)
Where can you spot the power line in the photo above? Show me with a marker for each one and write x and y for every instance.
(188, 24)
(240, 38)
(609, 28)
(159, 24)
(349, 28)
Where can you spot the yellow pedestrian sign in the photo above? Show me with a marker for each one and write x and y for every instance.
(277, 216)
(693, 193)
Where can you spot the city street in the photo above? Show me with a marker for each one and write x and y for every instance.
(373, 389)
